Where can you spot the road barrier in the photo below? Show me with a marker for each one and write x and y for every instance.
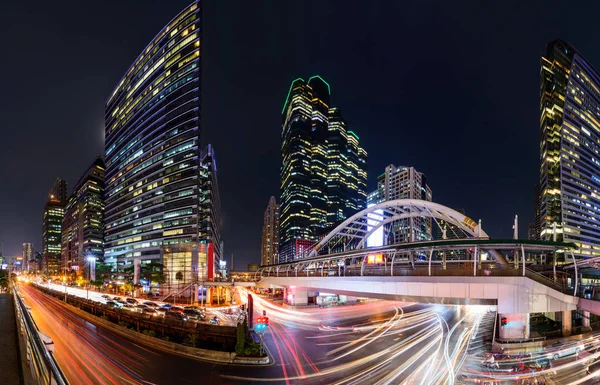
(40, 348)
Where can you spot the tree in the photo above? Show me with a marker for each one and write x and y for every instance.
(241, 339)
(153, 273)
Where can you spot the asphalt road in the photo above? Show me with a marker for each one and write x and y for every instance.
(371, 343)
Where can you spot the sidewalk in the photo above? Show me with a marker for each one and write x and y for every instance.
(9, 352)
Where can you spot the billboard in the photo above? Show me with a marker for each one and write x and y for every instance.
(375, 239)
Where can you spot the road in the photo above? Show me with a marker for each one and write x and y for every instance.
(378, 342)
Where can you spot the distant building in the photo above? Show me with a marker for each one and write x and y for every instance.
(28, 256)
(82, 226)
(569, 149)
(252, 267)
(210, 220)
(403, 183)
(54, 211)
(270, 234)
(323, 167)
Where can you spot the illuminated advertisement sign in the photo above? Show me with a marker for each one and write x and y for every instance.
(375, 258)
(375, 239)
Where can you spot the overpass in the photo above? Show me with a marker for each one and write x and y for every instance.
(472, 269)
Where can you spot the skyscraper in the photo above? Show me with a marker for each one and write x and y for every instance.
(82, 226)
(28, 256)
(54, 210)
(270, 234)
(210, 221)
(323, 167)
(403, 183)
(152, 151)
(569, 149)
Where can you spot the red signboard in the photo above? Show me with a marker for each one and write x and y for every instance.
(210, 261)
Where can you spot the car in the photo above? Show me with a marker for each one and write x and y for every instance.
(115, 304)
(150, 311)
(194, 314)
(167, 306)
(560, 350)
(177, 309)
(111, 303)
(175, 315)
(214, 321)
(116, 298)
(192, 307)
(161, 311)
(128, 306)
(150, 303)
(137, 309)
(105, 296)
(131, 300)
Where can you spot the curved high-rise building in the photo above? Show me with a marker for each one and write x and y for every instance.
(152, 152)
(569, 203)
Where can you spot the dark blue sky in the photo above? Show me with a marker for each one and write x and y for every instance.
(448, 87)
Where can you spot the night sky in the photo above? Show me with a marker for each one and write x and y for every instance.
(450, 88)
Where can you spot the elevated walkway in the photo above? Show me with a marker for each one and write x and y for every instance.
(510, 294)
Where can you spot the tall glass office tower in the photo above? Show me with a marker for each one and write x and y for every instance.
(152, 150)
(570, 149)
(323, 167)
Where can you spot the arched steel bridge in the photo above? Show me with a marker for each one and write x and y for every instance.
(349, 246)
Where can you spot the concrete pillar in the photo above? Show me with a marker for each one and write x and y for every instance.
(567, 323)
(516, 328)
(298, 297)
(585, 321)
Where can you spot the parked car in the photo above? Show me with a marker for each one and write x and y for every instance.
(106, 296)
(194, 314)
(137, 309)
(175, 315)
(131, 300)
(150, 303)
(161, 311)
(214, 321)
(177, 309)
(560, 350)
(167, 306)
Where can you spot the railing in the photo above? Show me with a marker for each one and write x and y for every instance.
(421, 269)
(40, 359)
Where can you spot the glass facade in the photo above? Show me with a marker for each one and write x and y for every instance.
(152, 125)
(82, 227)
(210, 215)
(323, 167)
(569, 149)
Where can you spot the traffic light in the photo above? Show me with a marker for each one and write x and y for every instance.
(503, 321)
(243, 307)
(262, 323)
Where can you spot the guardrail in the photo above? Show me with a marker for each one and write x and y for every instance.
(40, 358)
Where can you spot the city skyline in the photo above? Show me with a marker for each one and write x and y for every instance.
(381, 124)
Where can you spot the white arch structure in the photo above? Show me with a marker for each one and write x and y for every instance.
(386, 212)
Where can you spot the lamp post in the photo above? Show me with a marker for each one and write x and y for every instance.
(203, 300)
